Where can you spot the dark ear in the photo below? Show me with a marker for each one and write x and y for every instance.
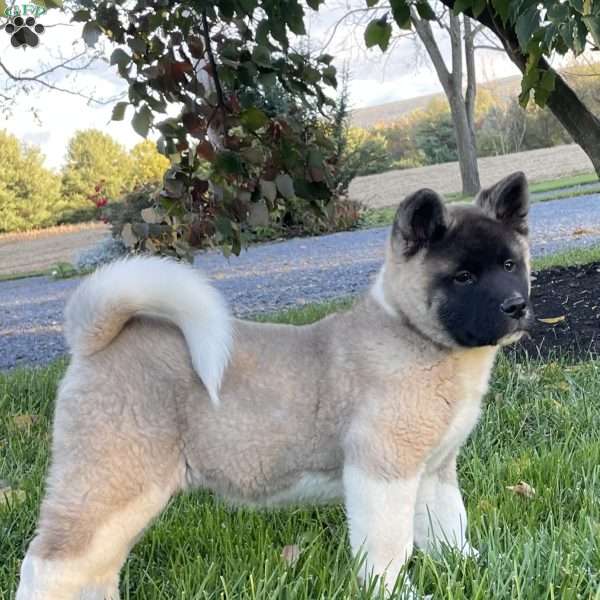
(507, 201)
(420, 220)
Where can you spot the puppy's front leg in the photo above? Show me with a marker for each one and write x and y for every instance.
(441, 518)
(380, 517)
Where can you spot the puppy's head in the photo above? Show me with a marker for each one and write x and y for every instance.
(460, 274)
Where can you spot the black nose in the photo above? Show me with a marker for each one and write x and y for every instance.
(514, 306)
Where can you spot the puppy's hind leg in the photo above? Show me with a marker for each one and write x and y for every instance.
(106, 483)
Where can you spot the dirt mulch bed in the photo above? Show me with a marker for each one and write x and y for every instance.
(566, 302)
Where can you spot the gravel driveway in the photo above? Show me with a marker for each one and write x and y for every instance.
(268, 277)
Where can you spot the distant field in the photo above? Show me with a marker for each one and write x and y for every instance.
(37, 251)
(387, 189)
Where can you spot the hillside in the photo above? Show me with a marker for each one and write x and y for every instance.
(392, 111)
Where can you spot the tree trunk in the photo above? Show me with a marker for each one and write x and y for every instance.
(583, 126)
(461, 106)
(465, 145)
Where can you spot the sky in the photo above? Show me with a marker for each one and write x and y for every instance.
(49, 118)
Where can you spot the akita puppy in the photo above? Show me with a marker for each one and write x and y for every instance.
(166, 392)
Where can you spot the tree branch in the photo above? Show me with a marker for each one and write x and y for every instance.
(37, 79)
(486, 47)
(425, 33)
(212, 62)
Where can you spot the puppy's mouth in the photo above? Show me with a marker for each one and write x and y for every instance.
(522, 327)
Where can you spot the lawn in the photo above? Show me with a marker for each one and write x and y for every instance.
(541, 425)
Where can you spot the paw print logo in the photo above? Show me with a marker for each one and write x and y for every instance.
(24, 32)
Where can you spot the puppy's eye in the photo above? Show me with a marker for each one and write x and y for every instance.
(464, 277)
(509, 265)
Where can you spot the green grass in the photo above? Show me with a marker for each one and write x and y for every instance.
(24, 275)
(576, 256)
(550, 185)
(565, 187)
(540, 424)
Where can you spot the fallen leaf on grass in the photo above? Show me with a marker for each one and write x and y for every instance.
(24, 421)
(291, 554)
(552, 320)
(522, 489)
(8, 495)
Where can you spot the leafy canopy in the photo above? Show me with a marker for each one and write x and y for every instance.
(29, 193)
(541, 28)
(221, 63)
(94, 157)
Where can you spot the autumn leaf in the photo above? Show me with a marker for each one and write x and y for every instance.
(10, 496)
(291, 554)
(24, 421)
(552, 320)
(522, 489)
(149, 215)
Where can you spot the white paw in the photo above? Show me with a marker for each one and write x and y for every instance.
(406, 592)
(468, 551)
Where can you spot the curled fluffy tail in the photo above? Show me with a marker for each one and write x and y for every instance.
(107, 299)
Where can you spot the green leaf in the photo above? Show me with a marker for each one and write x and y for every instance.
(502, 8)
(229, 163)
(593, 25)
(268, 190)
(578, 34)
(253, 118)
(478, 7)
(577, 5)
(329, 75)
(315, 158)
(268, 80)
(325, 58)
(2, 8)
(372, 3)
(261, 56)
(558, 12)
(378, 33)
(285, 185)
(79, 16)
(314, 4)
(541, 96)
(524, 98)
(142, 120)
(461, 6)
(425, 11)
(120, 57)
(53, 3)
(118, 113)
(548, 81)
(137, 45)
(401, 13)
(295, 19)
(91, 33)
(526, 25)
